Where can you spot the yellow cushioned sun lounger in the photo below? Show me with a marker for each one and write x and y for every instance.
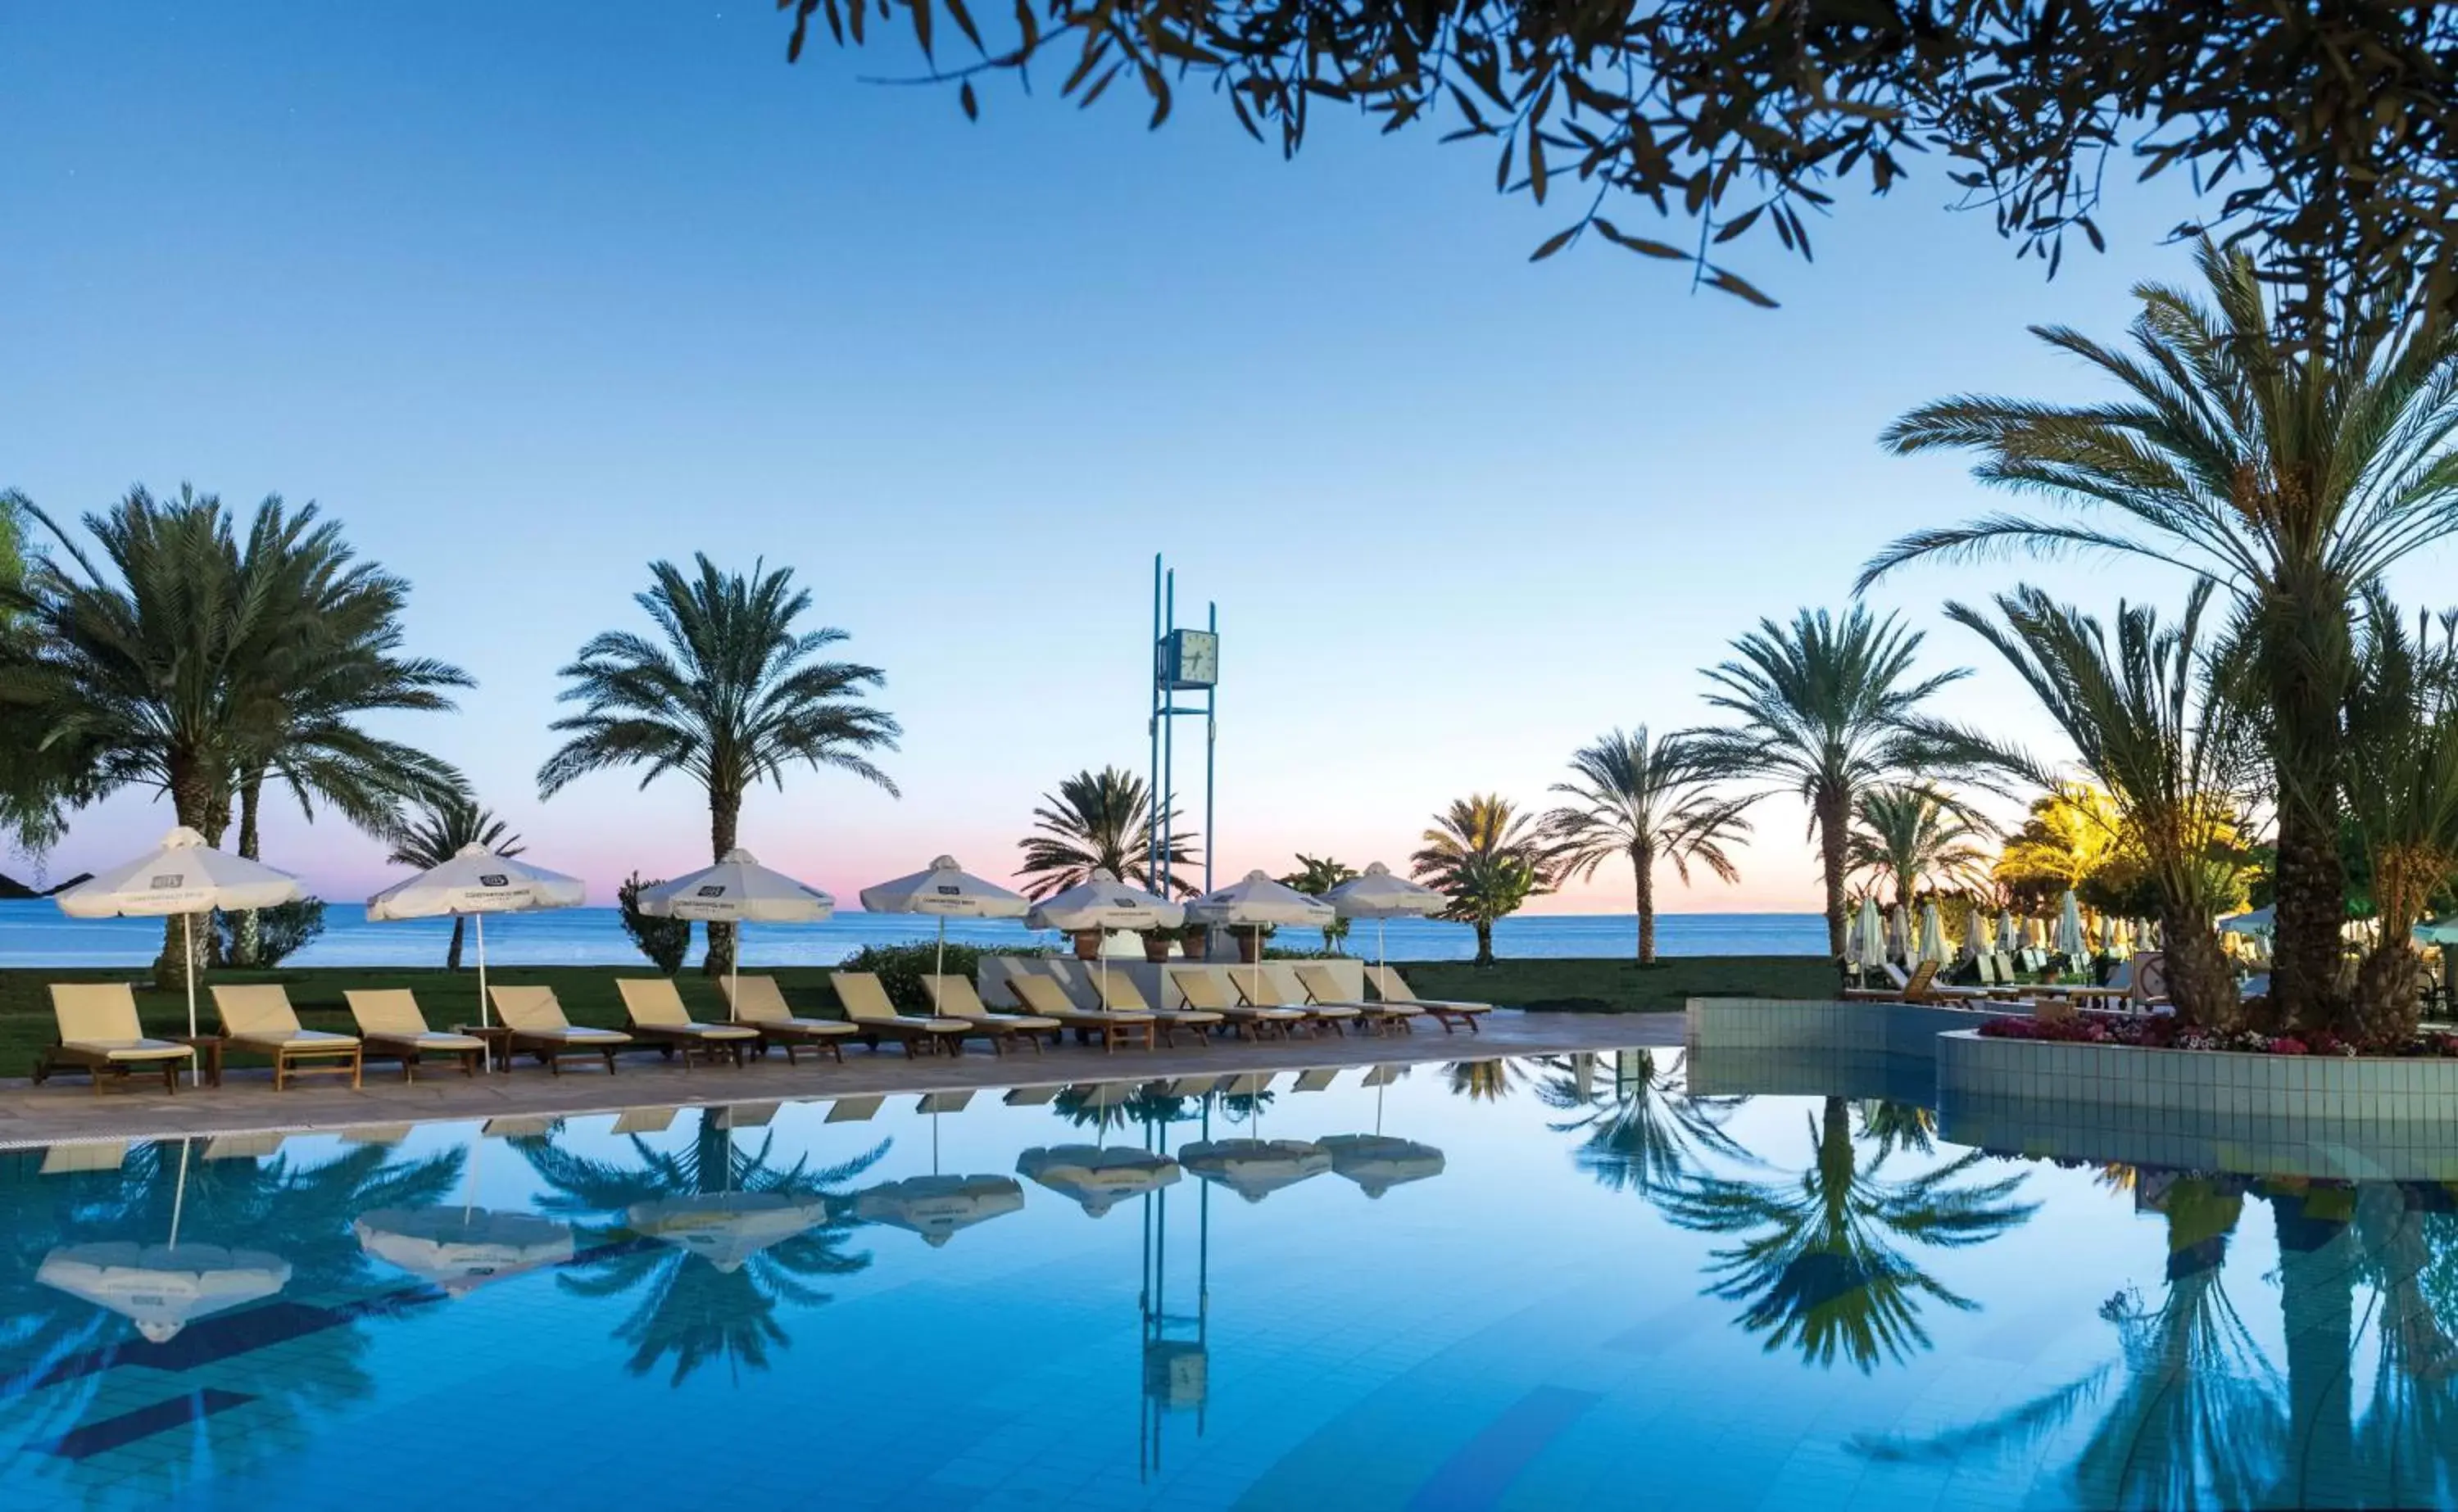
(1280, 989)
(867, 1003)
(99, 1034)
(390, 1026)
(1201, 988)
(537, 1026)
(260, 1018)
(1120, 994)
(1322, 989)
(758, 1002)
(1045, 997)
(654, 1006)
(955, 998)
(1394, 988)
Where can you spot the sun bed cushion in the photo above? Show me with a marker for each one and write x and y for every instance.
(260, 1017)
(100, 1017)
(867, 1002)
(391, 1016)
(955, 997)
(1044, 995)
(1201, 987)
(1394, 987)
(657, 1007)
(534, 1013)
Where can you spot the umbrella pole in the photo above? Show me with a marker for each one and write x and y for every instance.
(734, 988)
(188, 971)
(179, 1197)
(940, 967)
(480, 919)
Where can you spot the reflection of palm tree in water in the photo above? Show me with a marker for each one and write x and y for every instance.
(300, 1212)
(1643, 1132)
(1484, 1081)
(1817, 1265)
(693, 1310)
(2407, 1439)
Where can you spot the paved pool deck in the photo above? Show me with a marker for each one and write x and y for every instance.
(65, 1110)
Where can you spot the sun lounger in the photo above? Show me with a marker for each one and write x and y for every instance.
(1275, 985)
(100, 1035)
(1120, 994)
(644, 1121)
(955, 998)
(1988, 966)
(1045, 997)
(392, 1027)
(866, 1005)
(1394, 989)
(260, 1018)
(1323, 990)
(758, 1002)
(654, 1007)
(2006, 974)
(1202, 990)
(537, 1024)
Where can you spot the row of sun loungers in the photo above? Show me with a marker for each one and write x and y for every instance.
(100, 1035)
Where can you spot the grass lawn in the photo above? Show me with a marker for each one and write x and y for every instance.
(588, 996)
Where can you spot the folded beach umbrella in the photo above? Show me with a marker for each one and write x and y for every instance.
(1379, 896)
(1932, 934)
(182, 876)
(946, 891)
(476, 881)
(737, 890)
(2009, 934)
(1255, 901)
(163, 1288)
(460, 1250)
(1102, 902)
(2070, 940)
(1869, 940)
(1899, 935)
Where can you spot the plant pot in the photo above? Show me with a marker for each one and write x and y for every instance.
(1088, 944)
(1156, 948)
(1250, 946)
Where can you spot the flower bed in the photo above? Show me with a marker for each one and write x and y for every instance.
(2162, 1032)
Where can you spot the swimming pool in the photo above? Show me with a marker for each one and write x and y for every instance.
(1527, 1284)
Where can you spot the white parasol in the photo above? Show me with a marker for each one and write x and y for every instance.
(182, 876)
(945, 891)
(1378, 895)
(476, 881)
(737, 890)
(1258, 901)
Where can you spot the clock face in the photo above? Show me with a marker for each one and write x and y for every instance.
(1197, 659)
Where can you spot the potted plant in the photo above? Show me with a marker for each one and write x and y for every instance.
(1088, 944)
(1156, 943)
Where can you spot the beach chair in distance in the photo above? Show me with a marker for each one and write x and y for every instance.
(392, 1027)
(1047, 998)
(955, 998)
(1280, 989)
(2007, 975)
(1323, 988)
(1201, 986)
(866, 1005)
(758, 1002)
(1986, 965)
(1917, 987)
(259, 1017)
(535, 1022)
(1120, 994)
(1393, 987)
(99, 1034)
(654, 1007)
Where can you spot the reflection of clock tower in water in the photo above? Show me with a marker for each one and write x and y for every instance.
(1185, 662)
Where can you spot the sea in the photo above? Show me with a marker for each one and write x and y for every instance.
(34, 933)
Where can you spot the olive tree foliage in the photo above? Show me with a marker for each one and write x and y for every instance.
(2317, 133)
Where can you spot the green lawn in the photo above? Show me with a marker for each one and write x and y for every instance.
(588, 996)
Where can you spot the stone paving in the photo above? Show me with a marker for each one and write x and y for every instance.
(65, 1110)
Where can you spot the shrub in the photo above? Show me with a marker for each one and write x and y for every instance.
(281, 931)
(901, 968)
(665, 942)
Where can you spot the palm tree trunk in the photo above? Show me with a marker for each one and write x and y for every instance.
(2311, 907)
(2200, 979)
(724, 821)
(2317, 1303)
(251, 798)
(1642, 865)
(2389, 989)
(1834, 815)
(1485, 941)
(453, 952)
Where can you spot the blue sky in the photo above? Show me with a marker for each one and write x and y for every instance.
(528, 296)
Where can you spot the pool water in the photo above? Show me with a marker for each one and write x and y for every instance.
(1530, 1284)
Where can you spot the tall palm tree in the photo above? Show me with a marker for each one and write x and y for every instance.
(1647, 1134)
(2166, 736)
(1827, 707)
(1905, 835)
(2070, 832)
(729, 694)
(444, 826)
(1316, 876)
(2291, 476)
(179, 658)
(1647, 802)
(1099, 821)
(1489, 859)
(2401, 803)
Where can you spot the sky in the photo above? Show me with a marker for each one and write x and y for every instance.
(529, 297)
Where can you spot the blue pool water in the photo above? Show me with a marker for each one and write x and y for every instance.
(34, 933)
(1534, 1284)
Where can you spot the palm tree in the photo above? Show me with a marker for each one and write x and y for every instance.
(2402, 799)
(1906, 834)
(179, 660)
(1828, 708)
(2291, 476)
(729, 695)
(444, 827)
(1099, 821)
(2170, 744)
(1316, 876)
(1647, 1134)
(1489, 858)
(1817, 1259)
(1648, 801)
(2071, 833)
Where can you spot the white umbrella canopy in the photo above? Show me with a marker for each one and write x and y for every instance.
(1254, 1169)
(181, 876)
(463, 1249)
(476, 881)
(726, 1229)
(1932, 934)
(1378, 894)
(2070, 940)
(1380, 1162)
(163, 1288)
(2009, 934)
(936, 1207)
(1869, 936)
(1097, 1177)
(1256, 900)
(2255, 923)
(947, 891)
(1102, 902)
(737, 890)
(1899, 935)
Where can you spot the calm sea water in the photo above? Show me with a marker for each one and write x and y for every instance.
(1529, 1285)
(34, 933)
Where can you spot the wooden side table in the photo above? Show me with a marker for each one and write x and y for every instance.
(498, 1040)
(209, 1056)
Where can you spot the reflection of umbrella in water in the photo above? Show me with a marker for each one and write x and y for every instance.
(163, 1288)
(1380, 1162)
(726, 1227)
(936, 1207)
(461, 1249)
(1095, 1177)
(1254, 1169)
